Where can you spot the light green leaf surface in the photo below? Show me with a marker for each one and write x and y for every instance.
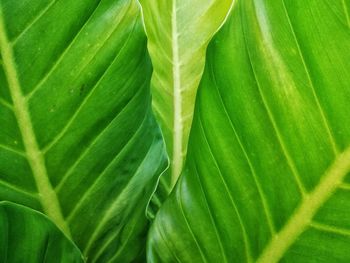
(267, 172)
(29, 236)
(78, 140)
(178, 33)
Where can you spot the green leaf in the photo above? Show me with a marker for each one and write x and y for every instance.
(78, 140)
(178, 34)
(267, 172)
(29, 236)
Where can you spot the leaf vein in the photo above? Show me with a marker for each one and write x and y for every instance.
(61, 56)
(212, 220)
(87, 97)
(330, 229)
(33, 21)
(88, 190)
(285, 152)
(232, 200)
(261, 193)
(312, 86)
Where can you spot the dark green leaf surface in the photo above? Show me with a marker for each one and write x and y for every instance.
(266, 177)
(78, 140)
(29, 236)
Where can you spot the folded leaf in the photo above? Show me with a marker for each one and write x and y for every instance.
(267, 172)
(78, 140)
(29, 236)
(178, 34)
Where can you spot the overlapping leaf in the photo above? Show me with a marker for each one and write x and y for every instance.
(28, 236)
(266, 177)
(77, 139)
(178, 33)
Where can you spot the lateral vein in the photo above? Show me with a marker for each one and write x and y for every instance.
(35, 157)
(302, 217)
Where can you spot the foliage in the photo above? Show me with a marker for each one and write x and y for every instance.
(264, 173)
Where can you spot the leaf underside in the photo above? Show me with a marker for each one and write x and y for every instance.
(266, 177)
(78, 140)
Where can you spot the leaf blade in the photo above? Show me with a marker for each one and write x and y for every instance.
(178, 37)
(270, 119)
(83, 87)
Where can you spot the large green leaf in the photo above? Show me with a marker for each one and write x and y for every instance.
(178, 33)
(28, 236)
(77, 139)
(266, 177)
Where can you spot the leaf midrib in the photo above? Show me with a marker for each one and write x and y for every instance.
(303, 215)
(177, 100)
(48, 197)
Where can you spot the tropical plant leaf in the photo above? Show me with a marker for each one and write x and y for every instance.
(178, 33)
(29, 236)
(267, 171)
(78, 140)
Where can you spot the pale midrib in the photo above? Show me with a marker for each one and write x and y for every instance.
(35, 158)
(302, 217)
(346, 12)
(177, 100)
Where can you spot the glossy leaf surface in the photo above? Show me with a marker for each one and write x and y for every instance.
(78, 140)
(266, 177)
(28, 236)
(178, 33)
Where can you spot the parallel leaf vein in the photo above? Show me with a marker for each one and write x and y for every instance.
(61, 56)
(231, 198)
(88, 96)
(289, 159)
(312, 86)
(86, 151)
(108, 214)
(33, 21)
(212, 220)
(110, 163)
(261, 193)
